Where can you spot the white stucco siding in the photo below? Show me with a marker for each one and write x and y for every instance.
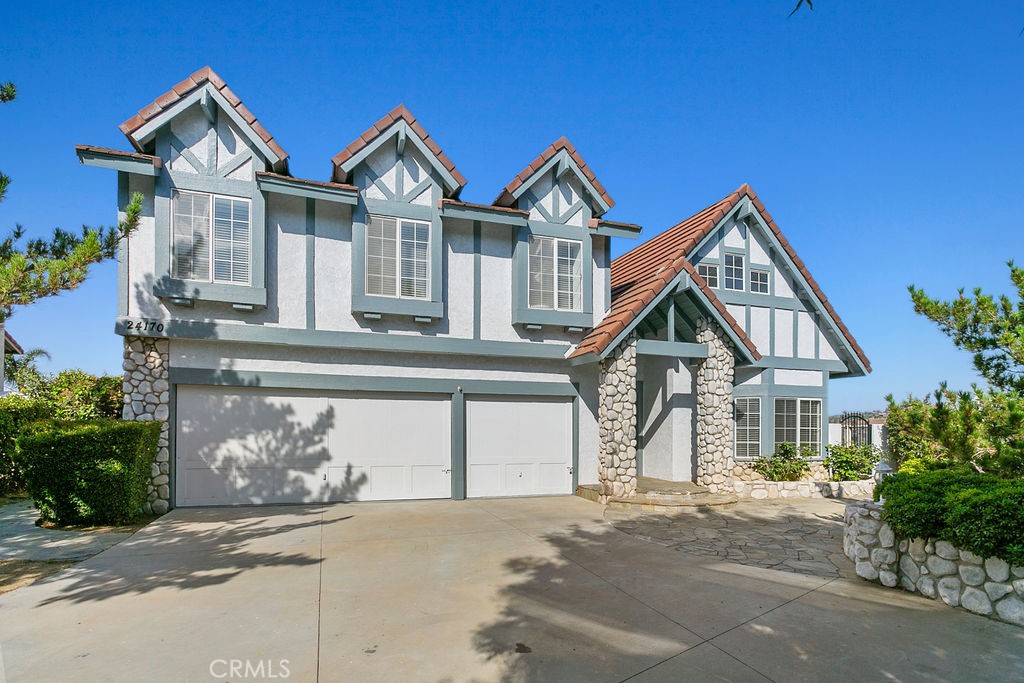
(783, 333)
(736, 235)
(230, 144)
(806, 334)
(739, 313)
(141, 255)
(286, 226)
(190, 127)
(333, 272)
(759, 253)
(761, 328)
(668, 413)
(415, 168)
(382, 162)
(459, 286)
(601, 275)
(798, 378)
(782, 284)
(825, 349)
(748, 376)
(496, 285)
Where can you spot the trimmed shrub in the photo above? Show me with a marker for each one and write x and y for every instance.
(785, 464)
(78, 395)
(989, 521)
(88, 472)
(981, 513)
(15, 412)
(849, 462)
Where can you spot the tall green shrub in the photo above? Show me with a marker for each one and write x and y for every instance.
(78, 395)
(88, 472)
(15, 411)
(849, 462)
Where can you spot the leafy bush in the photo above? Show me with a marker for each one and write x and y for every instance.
(77, 395)
(981, 513)
(88, 472)
(848, 462)
(15, 411)
(785, 464)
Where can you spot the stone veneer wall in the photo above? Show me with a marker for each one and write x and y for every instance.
(713, 387)
(617, 422)
(805, 488)
(935, 569)
(147, 399)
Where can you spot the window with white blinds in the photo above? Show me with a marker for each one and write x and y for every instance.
(556, 274)
(798, 421)
(397, 258)
(748, 428)
(211, 238)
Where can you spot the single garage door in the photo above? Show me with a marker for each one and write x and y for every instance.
(518, 447)
(255, 446)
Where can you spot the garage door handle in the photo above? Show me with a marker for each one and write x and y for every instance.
(570, 469)
(444, 471)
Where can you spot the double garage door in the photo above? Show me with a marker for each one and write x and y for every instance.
(257, 446)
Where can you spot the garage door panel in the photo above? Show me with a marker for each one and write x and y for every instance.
(252, 446)
(518, 447)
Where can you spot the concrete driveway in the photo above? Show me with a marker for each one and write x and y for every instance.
(487, 590)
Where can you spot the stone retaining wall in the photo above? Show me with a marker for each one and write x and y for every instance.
(935, 569)
(806, 488)
(147, 399)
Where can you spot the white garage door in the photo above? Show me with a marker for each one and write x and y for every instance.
(518, 447)
(254, 446)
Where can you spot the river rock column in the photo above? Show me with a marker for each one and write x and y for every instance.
(617, 422)
(147, 399)
(715, 376)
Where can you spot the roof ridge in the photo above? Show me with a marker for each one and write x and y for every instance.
(505, 197)
(398, 113)
(174, 95)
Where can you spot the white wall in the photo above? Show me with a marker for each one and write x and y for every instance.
(669, 413)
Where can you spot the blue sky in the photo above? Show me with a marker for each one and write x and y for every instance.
(885, 138)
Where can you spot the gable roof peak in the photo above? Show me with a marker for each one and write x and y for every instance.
(507, 196)
(343, 160)
(200, 78)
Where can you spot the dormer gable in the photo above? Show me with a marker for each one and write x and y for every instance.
(556, 187)
(398, 156)
(193, 108)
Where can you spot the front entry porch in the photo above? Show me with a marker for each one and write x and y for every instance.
(660, 496)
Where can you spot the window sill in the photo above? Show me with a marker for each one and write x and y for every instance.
(366, 303)
(533, 316)
(170, 288)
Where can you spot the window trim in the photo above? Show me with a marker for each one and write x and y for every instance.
(707, 278)
(578, 295)
(168, 287)
(211, 277)
(760, 423)
(398, 257)
(767, 281)
(800, 401)
(522, 314)
(430, 307)
(725, 274)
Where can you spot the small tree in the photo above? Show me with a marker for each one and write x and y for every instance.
(989, 327)
(38, 268)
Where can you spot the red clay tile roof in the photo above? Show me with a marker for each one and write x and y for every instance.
(441, 203)
(303, 181)
(10, 345)
(172, 96)
(642, 273)
(506, 198)
(135, 156)
(377, 129)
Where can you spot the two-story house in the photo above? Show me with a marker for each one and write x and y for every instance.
(374, 337)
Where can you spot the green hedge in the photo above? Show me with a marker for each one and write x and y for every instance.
(88, 472)
(981, 513)
(850, 462)
(15, 412)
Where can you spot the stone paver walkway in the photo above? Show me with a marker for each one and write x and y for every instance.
(21, 539)
(794, 535)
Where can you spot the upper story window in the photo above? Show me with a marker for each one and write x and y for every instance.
(759, 281)
(199, 242)
(556, 274)
(709, 272)
(734, 271)
(398, 258)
